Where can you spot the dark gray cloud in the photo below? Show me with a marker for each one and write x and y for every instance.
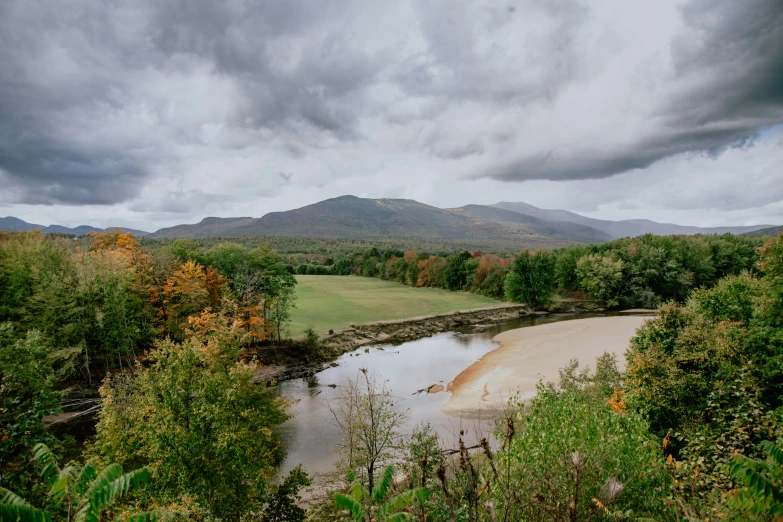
(69, 72)
(190, 106)
(728, 86)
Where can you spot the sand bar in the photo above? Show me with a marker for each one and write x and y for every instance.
(527, 355)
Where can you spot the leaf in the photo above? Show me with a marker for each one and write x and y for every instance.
(44, 456)
(384, 485)
(774, 451)
(100, 498)
(10, 513)
(346, 502)
(9, 498)
(61, 482)
(86, 476)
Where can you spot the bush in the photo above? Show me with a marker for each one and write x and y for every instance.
(573, 453)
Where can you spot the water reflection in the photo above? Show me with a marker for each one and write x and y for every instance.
(311, 433)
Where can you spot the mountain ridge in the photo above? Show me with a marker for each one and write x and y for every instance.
(352, 217)
(15, 224)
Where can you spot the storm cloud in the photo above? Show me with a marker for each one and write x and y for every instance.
(166, 111)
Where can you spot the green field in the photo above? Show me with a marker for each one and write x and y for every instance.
(333, 302)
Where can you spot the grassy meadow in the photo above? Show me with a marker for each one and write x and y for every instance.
(333, 302)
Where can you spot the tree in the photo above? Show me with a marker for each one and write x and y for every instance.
(198, 417)
(77, 494)
(185, 294)
(600, 276)
(29, 377)
(370, 423)
(531, 278)
(430, 270)
(280, 314)
(455, 276)
(283, 498)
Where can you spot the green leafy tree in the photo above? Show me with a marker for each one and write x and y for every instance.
(455, 275)
(282, 499)
(29, 376)
(531, 278)
(600, 276)
(370, 423)
(75, 494)
(196, 414)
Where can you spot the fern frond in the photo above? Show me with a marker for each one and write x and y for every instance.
(9, 513)
(9, 498)
(102, 497)
(109, 474)
(384, 485)
(401, 501)
(353, 507)
(44, 456)
(61, 483)
(358, 491)
(757, 485)
(774, 451)
(86, 477)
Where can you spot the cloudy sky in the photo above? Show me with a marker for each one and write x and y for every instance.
(149, 113)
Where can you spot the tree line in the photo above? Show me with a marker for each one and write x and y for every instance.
(644, 271)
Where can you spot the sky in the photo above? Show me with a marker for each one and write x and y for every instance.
(149, 113)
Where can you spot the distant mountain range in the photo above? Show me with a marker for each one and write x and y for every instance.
(623, 228)
(771, 231)
(12, 223)
(351, 217)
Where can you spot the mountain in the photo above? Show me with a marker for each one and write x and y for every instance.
(15, 224)
(555, 229)
(771, 231)
(12, 223)
(623, 228)
(351, 217)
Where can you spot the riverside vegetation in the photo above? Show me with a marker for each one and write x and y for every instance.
(170, 333)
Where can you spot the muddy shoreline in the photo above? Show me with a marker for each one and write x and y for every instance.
(403, 330)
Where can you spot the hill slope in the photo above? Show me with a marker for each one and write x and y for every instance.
(16, 224)
(623, 228)
(351, 217)
(771, 231)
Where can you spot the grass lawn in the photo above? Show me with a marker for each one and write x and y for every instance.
(325, 302)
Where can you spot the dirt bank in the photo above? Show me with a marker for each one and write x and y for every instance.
(279, 365)
(528, 355)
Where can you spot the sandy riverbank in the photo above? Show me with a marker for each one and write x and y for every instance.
(528, 355)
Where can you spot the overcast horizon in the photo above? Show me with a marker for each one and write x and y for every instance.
(149, 114)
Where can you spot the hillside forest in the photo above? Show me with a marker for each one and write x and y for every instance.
(162, 338)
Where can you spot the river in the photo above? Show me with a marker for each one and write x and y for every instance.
(311, 433)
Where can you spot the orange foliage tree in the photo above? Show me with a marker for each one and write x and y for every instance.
(429, 270)
(185, 294)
